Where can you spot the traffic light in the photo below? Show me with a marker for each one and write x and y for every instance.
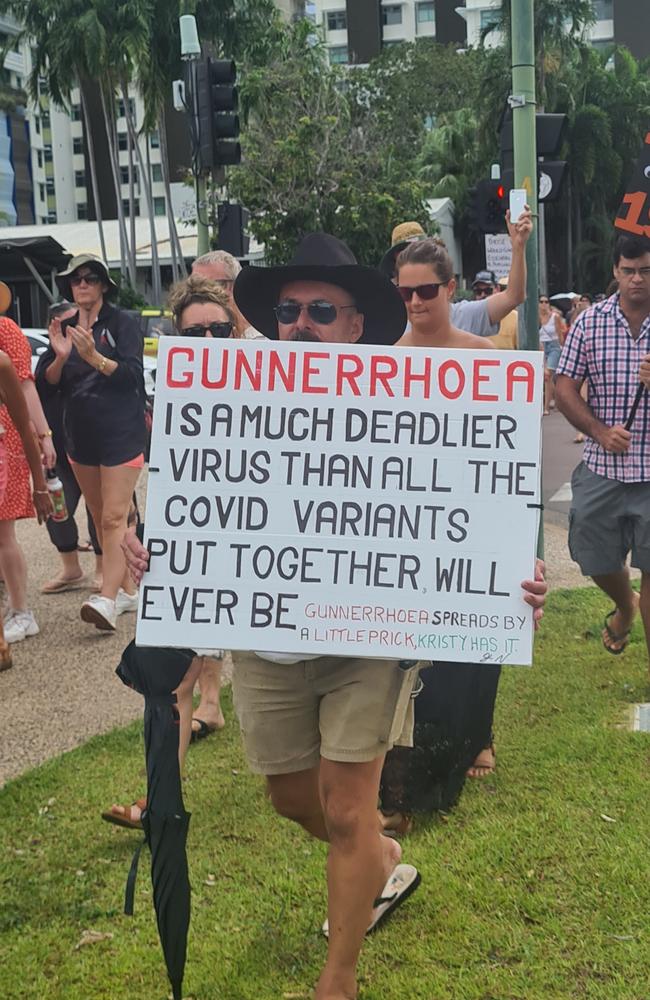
(218, 123)
(490, 203)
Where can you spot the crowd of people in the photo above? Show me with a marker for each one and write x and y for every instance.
(333, 736)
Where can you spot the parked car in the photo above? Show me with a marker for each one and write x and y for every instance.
(38, 341)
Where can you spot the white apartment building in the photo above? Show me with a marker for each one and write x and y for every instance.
(61, 184)
(400, 22)
(480, 14)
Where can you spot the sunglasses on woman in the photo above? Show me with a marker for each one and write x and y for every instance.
(429, 291)
(320, 311)
(220, 331)
(90, 279)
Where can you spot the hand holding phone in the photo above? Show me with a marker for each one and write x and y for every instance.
(517, 203)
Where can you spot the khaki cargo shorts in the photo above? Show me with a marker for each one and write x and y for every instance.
(340, 708)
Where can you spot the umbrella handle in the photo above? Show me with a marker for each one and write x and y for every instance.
(635, 406)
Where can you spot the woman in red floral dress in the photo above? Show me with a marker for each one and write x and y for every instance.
(19, 621)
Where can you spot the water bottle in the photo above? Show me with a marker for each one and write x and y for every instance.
(55, 486)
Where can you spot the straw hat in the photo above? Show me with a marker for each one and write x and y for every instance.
(401, 236)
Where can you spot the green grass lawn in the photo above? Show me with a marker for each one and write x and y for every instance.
(536, 887)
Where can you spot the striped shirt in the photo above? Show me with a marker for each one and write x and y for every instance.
(601, 349)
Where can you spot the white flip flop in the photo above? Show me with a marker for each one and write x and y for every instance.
(404, 880)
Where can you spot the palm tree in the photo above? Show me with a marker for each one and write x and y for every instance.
(67, 58)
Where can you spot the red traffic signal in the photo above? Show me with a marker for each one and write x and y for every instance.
(491, 206)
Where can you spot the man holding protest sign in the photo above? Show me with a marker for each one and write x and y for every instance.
(318, 727)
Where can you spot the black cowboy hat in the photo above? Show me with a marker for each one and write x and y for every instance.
(321, 257)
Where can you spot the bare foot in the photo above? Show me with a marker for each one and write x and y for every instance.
(485, 763)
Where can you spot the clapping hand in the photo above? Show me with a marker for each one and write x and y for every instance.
(61, 345)
(84, 342)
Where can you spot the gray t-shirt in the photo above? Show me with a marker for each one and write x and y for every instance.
(473, 317)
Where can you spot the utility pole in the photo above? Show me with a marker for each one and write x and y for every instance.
(190, 54)
(524, 131)
(523, 105)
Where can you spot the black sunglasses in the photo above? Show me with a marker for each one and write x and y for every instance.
(429, 291)
(217, 330)
(90, 279)
(320, 311)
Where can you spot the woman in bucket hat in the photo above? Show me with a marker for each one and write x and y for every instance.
(95, 362)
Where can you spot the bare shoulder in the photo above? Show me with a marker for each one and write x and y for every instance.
(470, 341)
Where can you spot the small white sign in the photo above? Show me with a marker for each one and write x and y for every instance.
(338, 499)
(498, 253)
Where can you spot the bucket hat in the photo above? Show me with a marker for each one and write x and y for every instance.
(95, 263)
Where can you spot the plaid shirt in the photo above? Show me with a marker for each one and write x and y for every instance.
(601, 349)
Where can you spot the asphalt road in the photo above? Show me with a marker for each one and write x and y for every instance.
(560, 455)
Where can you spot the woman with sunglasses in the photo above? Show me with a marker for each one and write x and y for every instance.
(95, 362)
(425, 280)
(454, 709)
(200, 309)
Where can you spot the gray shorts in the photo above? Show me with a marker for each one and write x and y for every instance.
(608, 520)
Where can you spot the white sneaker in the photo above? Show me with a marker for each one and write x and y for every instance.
(125, 602)
(19, 624)
(100, 612)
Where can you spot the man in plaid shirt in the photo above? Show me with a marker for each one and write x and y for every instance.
(610, 512)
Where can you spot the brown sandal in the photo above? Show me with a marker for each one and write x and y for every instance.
(395, 824)
(126, 817)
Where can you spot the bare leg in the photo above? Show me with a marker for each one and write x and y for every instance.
(297, 797)
(184, 693)
(13, 566)
(209, 708)
(644, 606)
(118, 483)
(617, 586)
(359, 863)
(338, 803)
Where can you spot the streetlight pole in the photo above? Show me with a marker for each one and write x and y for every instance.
(523, 105)
(190, 54)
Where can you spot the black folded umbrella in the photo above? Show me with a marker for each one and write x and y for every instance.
(155, 673)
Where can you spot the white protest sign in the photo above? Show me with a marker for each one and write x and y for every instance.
(335, 499)
(498, 254)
